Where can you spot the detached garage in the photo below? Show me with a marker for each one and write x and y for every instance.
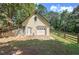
(36, 26)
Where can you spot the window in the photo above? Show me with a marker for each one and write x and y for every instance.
(40, 27)
(35, 18)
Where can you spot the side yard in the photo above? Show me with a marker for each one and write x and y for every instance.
(58, 46)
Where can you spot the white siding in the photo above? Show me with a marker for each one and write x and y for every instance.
(33, 24)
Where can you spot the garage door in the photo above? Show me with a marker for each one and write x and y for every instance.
(41, 31)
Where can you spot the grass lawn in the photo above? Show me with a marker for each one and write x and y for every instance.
(59, 46)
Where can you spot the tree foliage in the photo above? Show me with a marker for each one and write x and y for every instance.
(64, 21)
(41, 9)
(16, 13)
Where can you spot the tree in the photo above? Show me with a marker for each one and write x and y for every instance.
(16, 12)
(23, 13)
(41, 9)
(52, 18)
(76, 17)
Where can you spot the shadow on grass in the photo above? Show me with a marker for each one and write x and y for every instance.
(38, 47)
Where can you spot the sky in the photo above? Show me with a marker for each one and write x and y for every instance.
(59, 7)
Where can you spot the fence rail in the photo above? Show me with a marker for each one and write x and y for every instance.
(68, 36)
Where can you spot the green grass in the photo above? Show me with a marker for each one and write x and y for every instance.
(70, 43)
(71, 38)
(59, 46)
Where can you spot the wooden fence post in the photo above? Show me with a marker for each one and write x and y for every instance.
(64, 35)
(78, 38)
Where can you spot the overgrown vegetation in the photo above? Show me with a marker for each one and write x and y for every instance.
(58, 46)
(17, 13)
(67, 22)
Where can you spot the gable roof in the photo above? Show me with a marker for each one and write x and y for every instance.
(42, 18)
